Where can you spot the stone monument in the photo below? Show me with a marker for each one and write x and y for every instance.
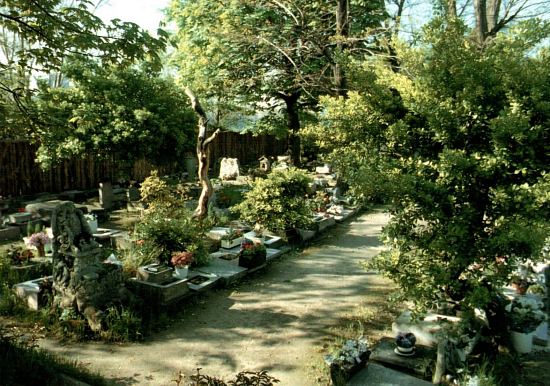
(80, 280)
(229, 169)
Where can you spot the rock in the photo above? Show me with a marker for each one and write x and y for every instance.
(229, 169)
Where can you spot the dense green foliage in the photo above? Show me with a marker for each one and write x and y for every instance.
(458, 140)
(114, 112)
(167, 226)
(278, 201)
(38, 36)
(272, 59)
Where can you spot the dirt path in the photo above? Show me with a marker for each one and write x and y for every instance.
(277, 320)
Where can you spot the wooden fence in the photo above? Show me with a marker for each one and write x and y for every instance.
(20, 175)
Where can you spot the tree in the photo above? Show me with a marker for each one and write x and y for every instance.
(204, 140)
(47, 32)
(113, 112)
(464, 157)
(273, 54)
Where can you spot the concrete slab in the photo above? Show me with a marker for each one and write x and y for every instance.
(273, 253)
(195, 281)
(422, 362)
(378, 375)
(228, 271)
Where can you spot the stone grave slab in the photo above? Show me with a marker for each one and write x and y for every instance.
(425, 330)
(306, 234)
(106, 196)
(422, 363)
(217, 233)
(227, 271)
(20, 218)
(29, 290)
(272, 241)
(324, 223)
(346, 214)
(10, 233)
(200, 281)
(273, 253)
(378, 375)
(161, 294)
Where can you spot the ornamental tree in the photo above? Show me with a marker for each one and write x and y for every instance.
(462, 152)
(39, 35)
(272, 55)
(115, 112)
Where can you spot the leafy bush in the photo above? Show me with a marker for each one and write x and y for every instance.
(171, 230)
(278, 201)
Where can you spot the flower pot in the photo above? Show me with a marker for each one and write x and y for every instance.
(181, 272)
(405, 350)
(522, 342)
(252, 260)
(228, 244)
(340, 374)
(41, 250)
(93, 225)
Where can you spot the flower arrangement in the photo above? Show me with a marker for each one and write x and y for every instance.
(353, 356)
(232, 234)
(250, 249)
(182, 259)
(252, 254)
(90, 217)
(38, 239)
(525, 314)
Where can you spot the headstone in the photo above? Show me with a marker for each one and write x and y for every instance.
(106, 195)
(265, 164)
(133, 194)
(229, 169)
(325, 169)
(81, 282)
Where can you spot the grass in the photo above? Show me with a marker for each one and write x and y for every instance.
(23, 364)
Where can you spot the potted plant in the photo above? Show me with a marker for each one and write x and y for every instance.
(405, 343)
(91, 219)
(525, 314)
(347, 361)
(252, 255)
(38, 240)
(232, 238)
(181, 262)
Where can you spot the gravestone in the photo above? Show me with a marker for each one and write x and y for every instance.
(106, 196)
(229, 169)
(265, 164)
(81, 282)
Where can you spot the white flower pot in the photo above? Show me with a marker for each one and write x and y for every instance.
(542, 331)
(522, 343)
(228, 244)
(405, 350)
(181, 272)
(93, 225)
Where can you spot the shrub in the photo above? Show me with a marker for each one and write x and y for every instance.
(278, 201)
(171, 230)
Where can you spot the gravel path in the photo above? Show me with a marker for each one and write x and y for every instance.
(277, 320)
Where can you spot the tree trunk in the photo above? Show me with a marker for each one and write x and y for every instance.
(451, 9)
(203, 155)
(480, 9)
(293, 121)
(493, 8)
(342, 33)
